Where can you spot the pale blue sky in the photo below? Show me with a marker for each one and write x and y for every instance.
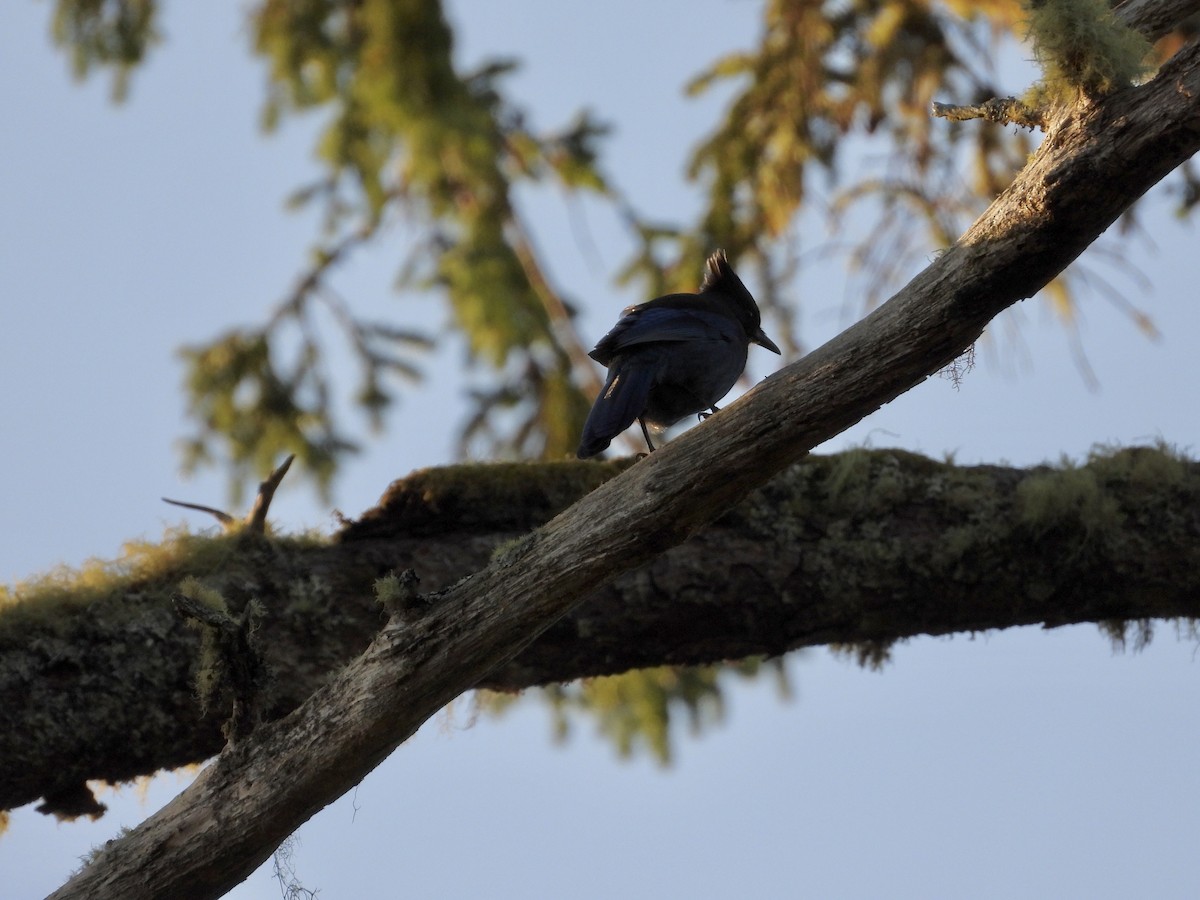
(1027, 763)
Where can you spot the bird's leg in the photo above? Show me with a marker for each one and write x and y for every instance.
(646, 435)
(704, 415)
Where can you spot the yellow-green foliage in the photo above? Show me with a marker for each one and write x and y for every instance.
(106, 34)
(407, 133)
(1082, 47)
(634, 709)
(405, 125)
(237, 388)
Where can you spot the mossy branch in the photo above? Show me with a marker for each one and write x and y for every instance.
(859, 549)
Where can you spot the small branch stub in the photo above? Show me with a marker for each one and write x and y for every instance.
(1001, 110)
(1086, 50)
(256, 519)
(228, 522)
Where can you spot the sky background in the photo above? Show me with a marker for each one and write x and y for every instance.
(1023, 763)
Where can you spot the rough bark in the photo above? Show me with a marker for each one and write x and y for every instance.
(1154, 18)
(1090, 168)
(862, 548)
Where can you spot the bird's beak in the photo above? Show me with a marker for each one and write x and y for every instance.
(762, 340)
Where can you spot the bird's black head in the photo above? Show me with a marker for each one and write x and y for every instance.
(719, 278)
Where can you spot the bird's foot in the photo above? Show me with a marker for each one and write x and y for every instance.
(701, 416)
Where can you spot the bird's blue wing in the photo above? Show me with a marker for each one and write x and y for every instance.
(648, 325)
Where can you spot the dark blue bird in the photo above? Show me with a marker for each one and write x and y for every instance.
(673, 357)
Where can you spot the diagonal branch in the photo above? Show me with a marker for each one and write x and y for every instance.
(1154, 18)
(1089, 169)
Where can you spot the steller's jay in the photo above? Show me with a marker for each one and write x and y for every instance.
(674, 356)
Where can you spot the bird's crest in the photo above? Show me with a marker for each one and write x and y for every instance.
(720, 277)
(715, 271)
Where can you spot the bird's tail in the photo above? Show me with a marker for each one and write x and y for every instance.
(622, 400)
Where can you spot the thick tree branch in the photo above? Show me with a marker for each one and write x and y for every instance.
(1154, 18)
(1089, 169)
(865, 547)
